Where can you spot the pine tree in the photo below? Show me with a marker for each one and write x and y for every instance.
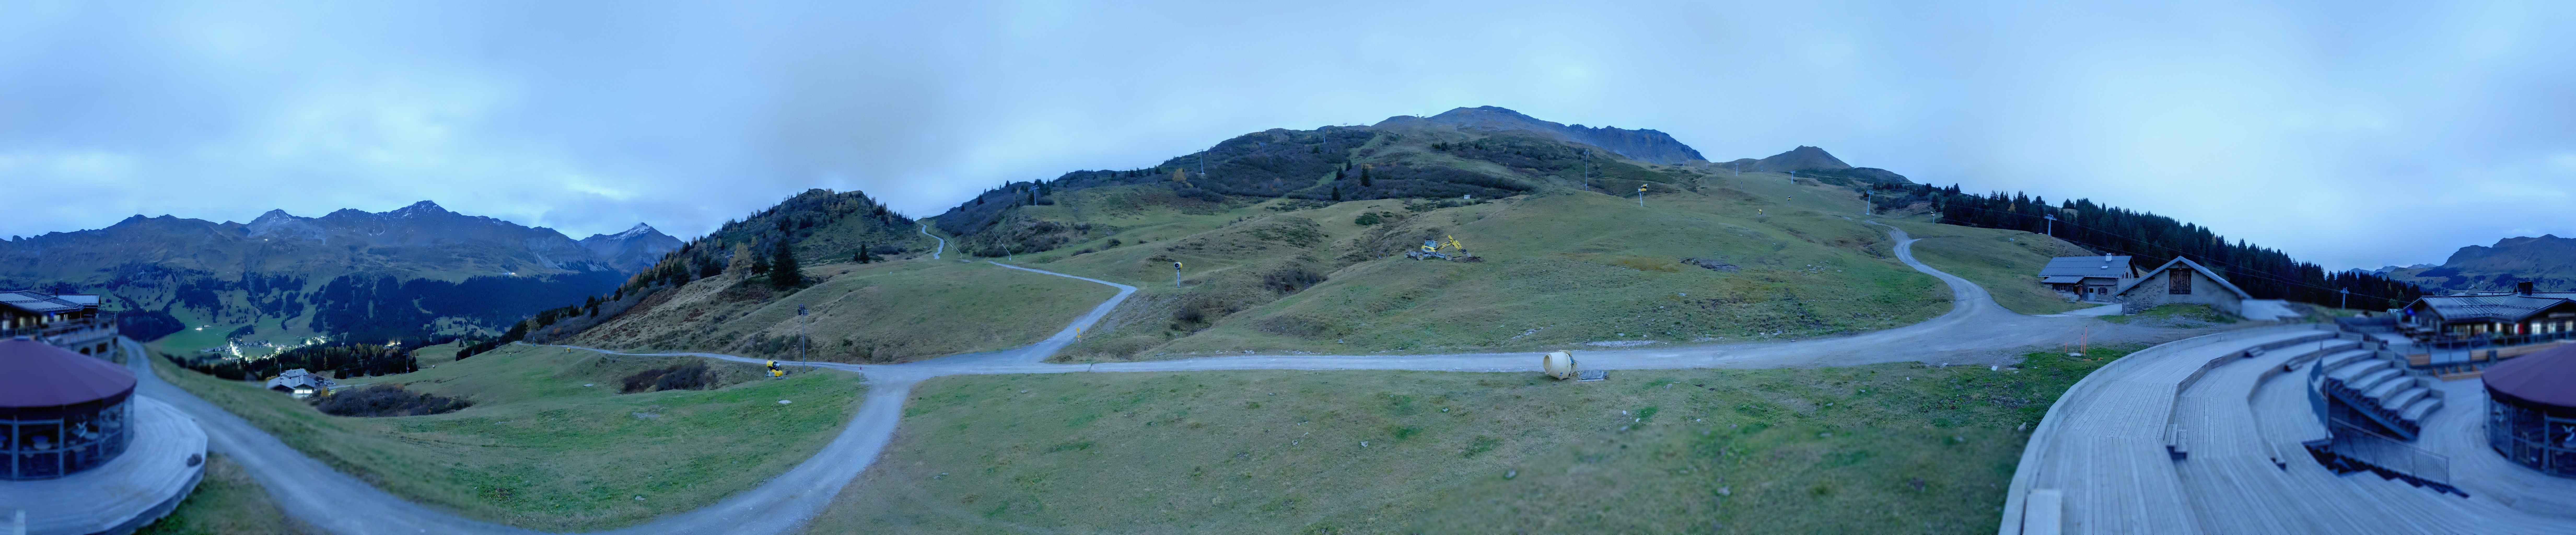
(783, 272)
(862, 256)
(1364, 175)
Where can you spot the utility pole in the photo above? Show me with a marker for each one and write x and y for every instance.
(2052, 224)
(802, 338)
(2346, 293)
(1869, 199)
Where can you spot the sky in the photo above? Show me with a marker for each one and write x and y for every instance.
(2350, 134)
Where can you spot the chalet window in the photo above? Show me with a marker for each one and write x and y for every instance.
(2178, 282)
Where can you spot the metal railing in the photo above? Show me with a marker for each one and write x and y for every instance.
(69, 333)
(102, 320)
(2379, 450)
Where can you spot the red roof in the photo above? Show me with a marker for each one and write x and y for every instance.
(2547, 377)
(36, 374)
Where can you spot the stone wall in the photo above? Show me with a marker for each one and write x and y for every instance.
(2204, 291)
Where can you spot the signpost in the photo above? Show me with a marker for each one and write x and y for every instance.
(802, 337)
(1176, 274)
(1641, 195)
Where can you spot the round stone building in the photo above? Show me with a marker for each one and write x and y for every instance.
(80, 453)
(2531, 410)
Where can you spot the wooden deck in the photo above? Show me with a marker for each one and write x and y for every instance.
(129, 491)
(2242, 422)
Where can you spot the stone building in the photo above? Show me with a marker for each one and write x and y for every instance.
(2088, 278)
(2181, 281)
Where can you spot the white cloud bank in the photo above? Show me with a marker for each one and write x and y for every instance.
(2353, 135)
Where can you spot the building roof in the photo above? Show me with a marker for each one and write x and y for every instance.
(2195, 266)
(2061, 279)
(2547, 377)
(2087, 266)
(41, 303)
(37, 374)
(2493, 306)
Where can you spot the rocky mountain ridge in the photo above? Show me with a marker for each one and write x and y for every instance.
(1643, 145)
(2548, 261)
(333, 273)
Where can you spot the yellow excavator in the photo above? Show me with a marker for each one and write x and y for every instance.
(1451, 251)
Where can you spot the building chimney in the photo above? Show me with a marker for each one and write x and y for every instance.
(2523, 287)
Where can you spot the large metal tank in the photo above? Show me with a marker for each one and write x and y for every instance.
(1559, 364)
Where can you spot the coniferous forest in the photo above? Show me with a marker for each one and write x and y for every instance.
(2153, 240)
(349, 360)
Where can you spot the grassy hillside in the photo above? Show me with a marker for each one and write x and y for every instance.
(1562, 266)
(878, 312)
(1895, 448)
(2005, 262)
(227, 501)
(541, 450)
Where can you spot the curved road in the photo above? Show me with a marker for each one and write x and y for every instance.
(1975, 330)
(943, 242)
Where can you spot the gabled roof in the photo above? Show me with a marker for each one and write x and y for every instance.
(2195, 266)
(2504, 306)
(2087, 266)
(2061, 279)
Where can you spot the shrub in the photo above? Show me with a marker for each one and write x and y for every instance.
(685, 376)
(387, 400)
(1291, 279)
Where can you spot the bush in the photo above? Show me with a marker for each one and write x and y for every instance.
(1291, 279)
(685, 376)
(387, 400)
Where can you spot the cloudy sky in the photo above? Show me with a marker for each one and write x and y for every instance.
(2349, 134)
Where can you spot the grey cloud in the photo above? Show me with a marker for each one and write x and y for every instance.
(2355, 135)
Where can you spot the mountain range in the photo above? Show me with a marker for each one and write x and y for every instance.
(2548, 261)
(349, 272)
(1473, 153)
(1649, 146)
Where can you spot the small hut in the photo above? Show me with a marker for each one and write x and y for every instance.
(2087, 278)
(2181, 281)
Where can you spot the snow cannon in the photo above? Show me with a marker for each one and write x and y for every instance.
(1559, 364)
